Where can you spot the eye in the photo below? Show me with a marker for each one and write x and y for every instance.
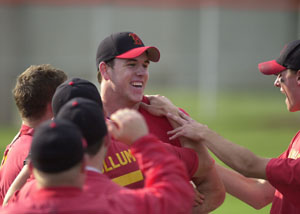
(131, 64)
(279, 77)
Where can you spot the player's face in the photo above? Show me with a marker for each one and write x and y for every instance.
(129, 78)
(287, 81)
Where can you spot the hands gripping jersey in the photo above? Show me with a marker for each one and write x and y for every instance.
(122, 167)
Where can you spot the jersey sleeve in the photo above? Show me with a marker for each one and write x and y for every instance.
(188, 156)
(167, 188)
(283, 174)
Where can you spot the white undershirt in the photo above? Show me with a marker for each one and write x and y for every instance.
(90, 168)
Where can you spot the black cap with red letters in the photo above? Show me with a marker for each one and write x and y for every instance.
(124, 45)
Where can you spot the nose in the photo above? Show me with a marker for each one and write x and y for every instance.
(277, 82)
(142, 71)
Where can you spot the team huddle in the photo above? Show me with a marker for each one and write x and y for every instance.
(120, 151)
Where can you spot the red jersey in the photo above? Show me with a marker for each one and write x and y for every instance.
(121, 166)
(159, 126)
(284, 176)
(13, 159)
(166, 185)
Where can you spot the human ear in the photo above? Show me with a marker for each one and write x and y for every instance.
(298, 77)
(103, 69)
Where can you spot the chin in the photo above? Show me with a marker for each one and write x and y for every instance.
(137, 99)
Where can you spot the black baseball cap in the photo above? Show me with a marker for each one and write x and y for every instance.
(289, 59)
(74, 87)
(57, 145)
(87, 115)
(124, 45)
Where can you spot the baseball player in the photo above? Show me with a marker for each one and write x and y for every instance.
(282, 172)
(122, 61)
(166, 180)
(33, 93)
(80, 88)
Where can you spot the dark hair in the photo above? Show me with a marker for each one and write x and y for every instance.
(93, 149)
(34, 89)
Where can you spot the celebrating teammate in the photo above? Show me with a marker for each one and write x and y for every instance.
(282, 173)
(33, 94)
(166, 179)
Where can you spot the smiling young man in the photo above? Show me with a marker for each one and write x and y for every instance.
(282, 172)
(122, 61)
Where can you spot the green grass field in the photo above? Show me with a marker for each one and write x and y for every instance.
(257, 121)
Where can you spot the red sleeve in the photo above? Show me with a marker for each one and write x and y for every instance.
(188, 156)
(13, 163)
(283, 174)
(167, 188)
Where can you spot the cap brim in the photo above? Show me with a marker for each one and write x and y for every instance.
(153, 53)
(270, 67)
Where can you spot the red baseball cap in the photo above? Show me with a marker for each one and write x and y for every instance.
(124, 45)
(289, 59)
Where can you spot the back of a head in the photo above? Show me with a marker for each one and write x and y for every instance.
(88, 116)
(72, 88)
(34, 89)
(57, 146)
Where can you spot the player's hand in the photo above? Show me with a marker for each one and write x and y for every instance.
(127, 126)
(188, 128)
(159, 105)
(199, 198)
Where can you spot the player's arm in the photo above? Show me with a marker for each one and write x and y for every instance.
(167, 188)
(255, 192)
(205, 178)
(17, 184)
(235, 156)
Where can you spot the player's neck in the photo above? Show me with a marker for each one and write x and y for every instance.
(33, 123)
(112, 103)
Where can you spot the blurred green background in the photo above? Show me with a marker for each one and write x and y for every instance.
(257, 120)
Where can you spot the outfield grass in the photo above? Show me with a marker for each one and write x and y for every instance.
(258, 121)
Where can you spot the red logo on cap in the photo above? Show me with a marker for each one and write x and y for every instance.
(52, 124)
(136, 39)
(75, 103)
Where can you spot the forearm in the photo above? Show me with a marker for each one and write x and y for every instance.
(213, 190)
(235, 156)
(256, 192)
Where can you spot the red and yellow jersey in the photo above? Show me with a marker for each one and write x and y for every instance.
(13, 159)
(167, 189)
(283, 174)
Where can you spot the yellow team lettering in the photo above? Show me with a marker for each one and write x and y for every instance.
(129, 178)
(105, 169)
(112, 163)
(294, 154)
(129, 156)
(124, 161)
(123, 158)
